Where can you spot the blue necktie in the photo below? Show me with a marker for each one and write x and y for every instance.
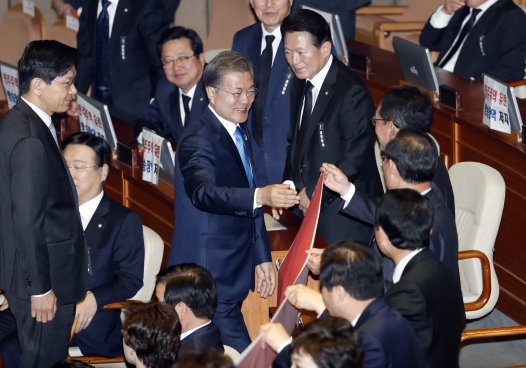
(102, 89)
(239, 137)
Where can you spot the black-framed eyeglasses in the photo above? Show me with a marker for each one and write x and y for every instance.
(181, 61)
(384, 157)
(69, 83)
(374, 120)
(250, 94)
(79, 169)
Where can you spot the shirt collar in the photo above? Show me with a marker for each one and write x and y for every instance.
(41, 114)
(355, 320)
(399, 269)
(426, 191)
(229, 126)
(276, 33)
(317, 81)
(88, 209)
(187, 333)
(190, 93)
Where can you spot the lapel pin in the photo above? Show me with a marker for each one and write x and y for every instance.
(100, 225)
(125, 10)
(326, 93)
(201, 99)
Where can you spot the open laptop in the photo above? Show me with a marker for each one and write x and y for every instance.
(416, 64)
(108, 133)
(513, 108)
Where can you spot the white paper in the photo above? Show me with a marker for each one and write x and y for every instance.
(271, 224)
(72, 23)
(90, 119)
(151, 145)
(495, 113)
(10, 82)
(28, 7)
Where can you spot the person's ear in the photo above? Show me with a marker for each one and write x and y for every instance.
(104, 170)
(211, 94)
(326, 48)
(182, 310)
(36, 85)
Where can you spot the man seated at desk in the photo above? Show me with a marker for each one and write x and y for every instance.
(191, 291)
(180, 96)
(478, 36)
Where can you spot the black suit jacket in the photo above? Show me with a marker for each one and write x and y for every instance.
(165, 111)
(496, 44)
(430, 299)
(441, 184)
(134, 67)
(42, 245)
(444, 239)
(201, 340)
(114, 235)
(339, 133)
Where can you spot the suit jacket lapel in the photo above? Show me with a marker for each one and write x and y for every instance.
(175, 107)
(254, 50)
(199, 101)
(275, 84)
(98, 223)
(121, 15)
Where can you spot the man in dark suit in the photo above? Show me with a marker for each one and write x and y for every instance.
(330, 122)
(117, 43)
(218, 216)
(409, 161)
(352, 288)
(424, 291)
(114, 236)
(190, 289)
(42, 247)
(269, 120)
(180, 97)
(478, 36)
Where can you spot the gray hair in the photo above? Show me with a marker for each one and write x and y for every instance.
(224, 63)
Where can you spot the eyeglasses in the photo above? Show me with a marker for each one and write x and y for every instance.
(68, 84)
(80, 169)
(181, 61)
(250, 94)
(384, 157)
(374, 120)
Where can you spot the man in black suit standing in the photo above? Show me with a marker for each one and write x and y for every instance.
(190, 289)
(331, 109)
(424, 291)
(117, 43)
(42, 248)
(478, 36)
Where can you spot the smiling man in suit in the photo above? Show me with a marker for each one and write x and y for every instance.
(117, 43)
(478, 36)
(218, 215)
(180, 96)
(331, 109)
(43, 257)
(269, 120)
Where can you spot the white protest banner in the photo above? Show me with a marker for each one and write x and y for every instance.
(10, 82)
(151, 161)
(28, 7)
(72, 23)
(89, 117)
(496, 115)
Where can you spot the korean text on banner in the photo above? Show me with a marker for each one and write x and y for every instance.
(10, 82)
(151, 161)
(89, 118)
(496, 115)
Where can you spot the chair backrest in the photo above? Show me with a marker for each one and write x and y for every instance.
(228, 17)
(231, 352)
(418, 10)
(16, 31)
(153, 256)
(210, 54)
(59, 32)
(479, 199)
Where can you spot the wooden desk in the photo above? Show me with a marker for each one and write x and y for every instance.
(463, 137)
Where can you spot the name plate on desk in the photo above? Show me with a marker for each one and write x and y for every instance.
(127, 155)
(360, 63)
(449, 96)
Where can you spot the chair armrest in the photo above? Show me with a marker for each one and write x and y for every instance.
(486, 278)
(365, 10)
(492, 332)
(517, 83)
(399, 26)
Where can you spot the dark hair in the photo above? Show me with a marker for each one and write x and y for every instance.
(355, 267)
(407, 107)
(71, 364)
(99, 145)
(305, 20)
(176, 33)
(332, 343)
(153, 330)
(211, 358)
(224, 63)
(191, 284)
(414, 154)
(406, 217)
(46, 60)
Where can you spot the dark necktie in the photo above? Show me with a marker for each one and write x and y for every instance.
(265, 65)
(307, 111)
(463, 33)
(186, 106)
(102, 90)
(243, 152)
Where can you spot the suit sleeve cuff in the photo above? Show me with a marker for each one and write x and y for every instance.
(283, 345)
(439, 19)
(255, 205)
(291, 183)
(41, 295)
(348, 196)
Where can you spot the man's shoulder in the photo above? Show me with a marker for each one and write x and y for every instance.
(117, 210)
(345, 77)
(247, 32)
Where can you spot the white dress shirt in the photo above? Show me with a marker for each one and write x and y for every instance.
(190, 94)
(88, 209)
(399, 269)
(275, 44)
(187, 333)
(112, 9)
(440, 20)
